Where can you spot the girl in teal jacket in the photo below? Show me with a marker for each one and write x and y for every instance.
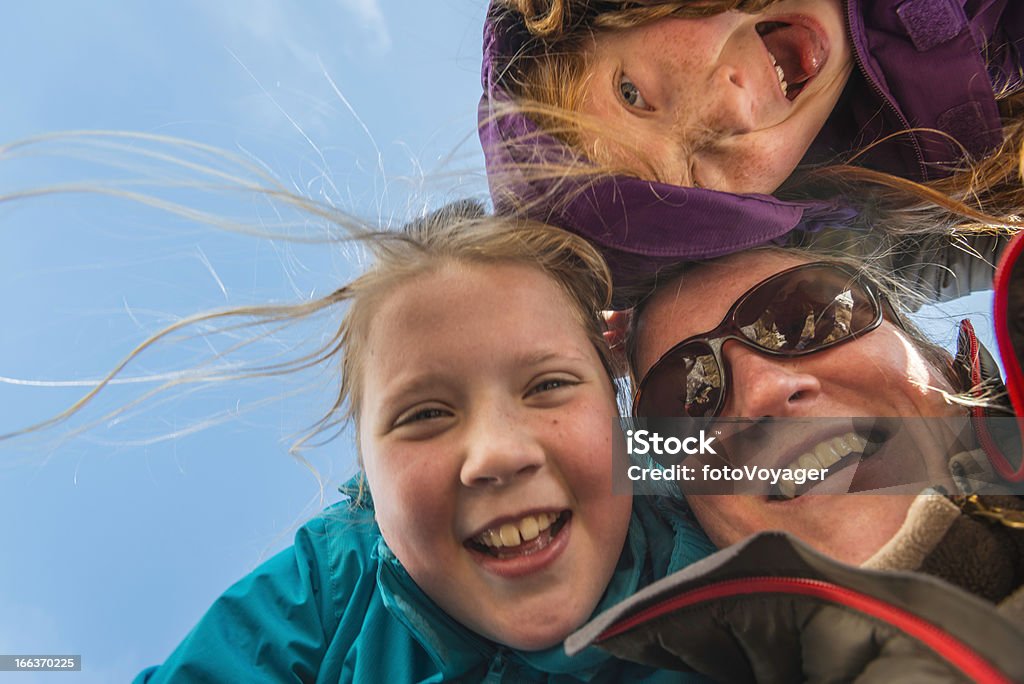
(483, 528)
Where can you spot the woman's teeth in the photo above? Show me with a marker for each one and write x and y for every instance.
(514, 534)
(824, 455)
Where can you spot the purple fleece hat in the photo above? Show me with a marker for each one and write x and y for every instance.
(638, 225)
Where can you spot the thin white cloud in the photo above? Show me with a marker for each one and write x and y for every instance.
(298, 27)
(289, 48)
(371, 21)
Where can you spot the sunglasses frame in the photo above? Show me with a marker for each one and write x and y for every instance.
(714, 339)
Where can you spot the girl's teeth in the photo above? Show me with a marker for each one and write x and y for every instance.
(510, 535)
(781, 74)
(529, 528)
(514, 534)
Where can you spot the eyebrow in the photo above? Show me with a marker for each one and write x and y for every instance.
(431, 379)
(538, 358)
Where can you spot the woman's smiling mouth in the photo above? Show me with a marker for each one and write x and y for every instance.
(838, 451)
(834, 455)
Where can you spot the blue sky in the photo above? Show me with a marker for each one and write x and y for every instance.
(116, 539)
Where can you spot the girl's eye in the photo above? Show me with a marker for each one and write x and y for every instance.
(550, 384)
(631, 94)
(420, 416)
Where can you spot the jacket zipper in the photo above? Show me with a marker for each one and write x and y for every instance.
(878, 90)
(955, 652)
(496, 669)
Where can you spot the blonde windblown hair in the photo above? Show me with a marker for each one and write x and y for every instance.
(459, 233)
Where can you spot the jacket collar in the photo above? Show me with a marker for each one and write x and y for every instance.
(659, 542)
(457, 651)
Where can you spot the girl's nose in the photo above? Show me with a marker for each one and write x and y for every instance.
(498, 451)
(733, 99)
(766, 386)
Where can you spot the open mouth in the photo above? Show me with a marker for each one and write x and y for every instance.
(518, 538)
(834, 454)
(798, 53)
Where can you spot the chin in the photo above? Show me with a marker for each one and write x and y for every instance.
(538, 642)
(537, 636)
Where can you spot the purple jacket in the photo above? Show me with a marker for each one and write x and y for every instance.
(921, 64)
(925, 64)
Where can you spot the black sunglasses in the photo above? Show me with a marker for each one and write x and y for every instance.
(799, 311)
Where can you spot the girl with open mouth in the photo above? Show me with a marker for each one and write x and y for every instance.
(727, 102)
(483, 528)
(664, 131)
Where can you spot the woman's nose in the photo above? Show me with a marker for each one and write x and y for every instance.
(766, 386)
(498, 449)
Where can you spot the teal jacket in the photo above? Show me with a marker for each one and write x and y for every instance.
(339, 607)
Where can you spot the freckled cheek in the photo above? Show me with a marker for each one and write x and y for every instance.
(411, 521)
(383, 473)
(582, 443)
(398, 475)
(763, 166)
(683, 42)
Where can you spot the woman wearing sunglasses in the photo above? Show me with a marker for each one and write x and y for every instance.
(731, 338)
(781, 334)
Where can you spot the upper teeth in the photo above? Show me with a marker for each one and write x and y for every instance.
(514, 534)
(781, 74)
(823, 455)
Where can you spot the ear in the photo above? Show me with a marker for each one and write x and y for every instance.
(616, 327)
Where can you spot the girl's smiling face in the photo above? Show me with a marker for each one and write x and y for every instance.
(729, 102)
(486, 432)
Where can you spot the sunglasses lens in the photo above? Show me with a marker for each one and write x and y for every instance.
(686, 383)
(806, 310)
(793, 313)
